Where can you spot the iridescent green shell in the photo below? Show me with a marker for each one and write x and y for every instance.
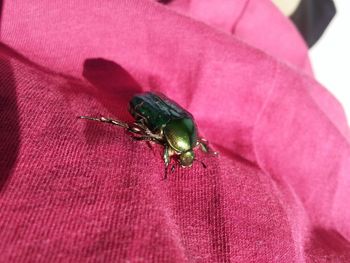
(164, 116)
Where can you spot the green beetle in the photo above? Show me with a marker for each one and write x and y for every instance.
(161, 120)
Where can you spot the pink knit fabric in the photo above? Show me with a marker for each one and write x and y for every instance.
(78, 191)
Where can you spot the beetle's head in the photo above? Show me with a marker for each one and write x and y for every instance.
(186, 158)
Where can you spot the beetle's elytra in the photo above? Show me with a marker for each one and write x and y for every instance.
(161, 120)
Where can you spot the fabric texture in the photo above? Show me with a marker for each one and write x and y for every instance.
(80, 191)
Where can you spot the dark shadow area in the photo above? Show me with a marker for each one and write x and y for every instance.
(328, 244)
(114, 85)
(9, 125)
(1, 7)
(312, 17)
(108, 95)
(164, 1)
(109, 77)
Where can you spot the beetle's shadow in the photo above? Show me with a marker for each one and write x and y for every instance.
(114, 85)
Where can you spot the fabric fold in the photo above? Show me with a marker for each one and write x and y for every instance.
(80, 190)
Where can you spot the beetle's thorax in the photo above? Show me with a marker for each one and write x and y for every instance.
(180, 134)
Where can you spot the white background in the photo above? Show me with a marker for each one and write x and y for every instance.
(330, 56)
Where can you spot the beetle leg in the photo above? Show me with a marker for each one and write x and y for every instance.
(107, 120)
(140, 128)
(166, 158)
(158, 137)
(145, 138)
(173, 168)
(204, 146)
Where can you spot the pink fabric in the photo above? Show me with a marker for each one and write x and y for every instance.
(74, 190)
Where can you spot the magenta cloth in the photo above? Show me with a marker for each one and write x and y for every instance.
(80, 191)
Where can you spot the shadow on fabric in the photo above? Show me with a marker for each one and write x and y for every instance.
(328, 244)
(9, 127)
(114, 85)
(1, 6)
(164, 1)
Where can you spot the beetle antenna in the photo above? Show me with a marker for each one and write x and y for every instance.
(204, 166)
